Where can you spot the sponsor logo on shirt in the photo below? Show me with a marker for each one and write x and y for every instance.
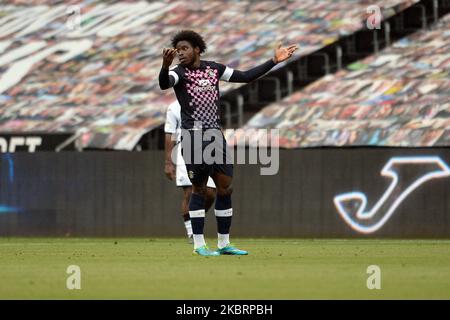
(204, 85)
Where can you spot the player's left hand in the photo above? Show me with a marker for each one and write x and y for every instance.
(285, 53)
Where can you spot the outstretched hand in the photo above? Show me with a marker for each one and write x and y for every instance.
(285, 53)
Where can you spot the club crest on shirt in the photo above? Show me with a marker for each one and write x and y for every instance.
(191, 174)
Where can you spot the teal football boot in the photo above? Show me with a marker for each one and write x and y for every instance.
(230, 250)
(206, 252)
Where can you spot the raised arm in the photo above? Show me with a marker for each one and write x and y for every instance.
(167, 81)
(252, 74)
(280, 55)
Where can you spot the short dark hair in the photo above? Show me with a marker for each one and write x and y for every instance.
(190, 36)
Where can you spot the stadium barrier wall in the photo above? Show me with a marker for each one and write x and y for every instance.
(127, 194)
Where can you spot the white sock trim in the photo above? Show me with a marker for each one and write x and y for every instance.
(199, 241)
(223, 213)
(223, 240)
(197, 213)
(188, 226)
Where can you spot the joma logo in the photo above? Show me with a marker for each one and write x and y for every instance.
(352, 206)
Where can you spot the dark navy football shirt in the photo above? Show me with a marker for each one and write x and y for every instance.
(197, 90)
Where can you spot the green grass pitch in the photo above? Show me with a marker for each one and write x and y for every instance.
(138, 268)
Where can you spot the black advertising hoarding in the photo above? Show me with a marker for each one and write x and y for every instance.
(318, 193)
(36, 141)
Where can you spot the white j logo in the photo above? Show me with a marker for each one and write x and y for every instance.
(428, 167)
